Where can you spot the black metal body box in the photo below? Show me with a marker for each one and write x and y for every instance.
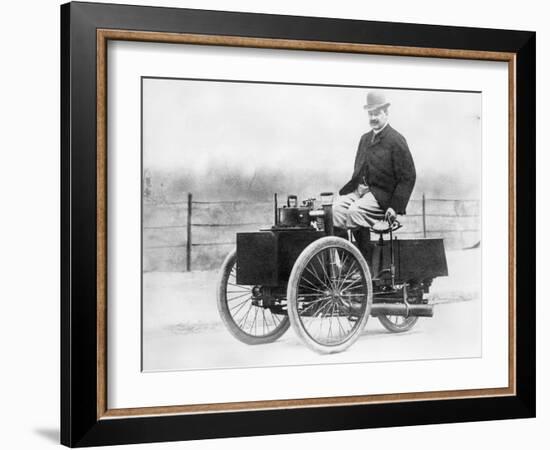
(267, 257)
(415, 259)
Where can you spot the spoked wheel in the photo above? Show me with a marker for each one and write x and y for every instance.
(243, 315)
(397, 324)
(329, 295)
(400, 324)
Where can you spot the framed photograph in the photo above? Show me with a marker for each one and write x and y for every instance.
(277, 224)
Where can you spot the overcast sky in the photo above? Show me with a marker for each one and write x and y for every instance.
(245, 126)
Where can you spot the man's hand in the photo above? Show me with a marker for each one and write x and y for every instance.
(362, 189)
(390, 215)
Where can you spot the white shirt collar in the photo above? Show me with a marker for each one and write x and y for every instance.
(378, 131)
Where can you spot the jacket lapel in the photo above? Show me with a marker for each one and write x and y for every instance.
(375, 139)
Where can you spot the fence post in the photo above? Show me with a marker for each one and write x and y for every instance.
(189, 210)
(424, 213)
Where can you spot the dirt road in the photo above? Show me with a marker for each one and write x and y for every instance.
(182, 329)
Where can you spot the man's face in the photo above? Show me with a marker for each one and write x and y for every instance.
(378, 118)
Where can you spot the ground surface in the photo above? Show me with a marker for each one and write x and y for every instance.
(182, 329)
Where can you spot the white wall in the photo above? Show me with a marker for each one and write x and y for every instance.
(29, 159)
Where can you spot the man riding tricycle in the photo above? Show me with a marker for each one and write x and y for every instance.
(317, 269)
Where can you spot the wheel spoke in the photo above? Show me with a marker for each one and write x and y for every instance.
(349, 274)
(330, 323)
(239, 305)
(321, 309)
(315, 302)
(243, 321)
(238, 297)
(343, 259)
(240, 308)
(336, 316)
(323, 264)
(311, 286)
(237, 287)
(273, 317)
(316, 276)
(253, 325)
(355, 285)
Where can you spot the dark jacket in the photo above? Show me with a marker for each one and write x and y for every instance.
(387, 166)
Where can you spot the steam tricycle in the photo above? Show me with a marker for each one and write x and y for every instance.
(297, 272)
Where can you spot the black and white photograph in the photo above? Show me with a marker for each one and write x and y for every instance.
(290, 224)
(275, 225)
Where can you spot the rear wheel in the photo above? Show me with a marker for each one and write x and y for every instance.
(397, 324)
(244, 316)
(400, 324)
(329, 295)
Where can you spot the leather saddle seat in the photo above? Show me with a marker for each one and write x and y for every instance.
(384, 226)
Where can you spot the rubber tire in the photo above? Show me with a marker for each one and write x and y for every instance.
(226, 317)
(390, 326)
(299, 266)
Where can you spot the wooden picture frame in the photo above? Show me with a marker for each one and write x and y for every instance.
(86, 418)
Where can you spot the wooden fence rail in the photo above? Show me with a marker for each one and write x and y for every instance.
(212, 224)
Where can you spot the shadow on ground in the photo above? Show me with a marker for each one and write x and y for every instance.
(50, 434)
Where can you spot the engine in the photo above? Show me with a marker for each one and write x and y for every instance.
(309, 215)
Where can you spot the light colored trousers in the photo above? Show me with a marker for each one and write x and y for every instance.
(352, 211)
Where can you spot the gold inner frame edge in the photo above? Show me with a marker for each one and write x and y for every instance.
(103, 36)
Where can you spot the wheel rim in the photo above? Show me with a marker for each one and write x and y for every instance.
(398, 323)
(332, 296)
(251, 319)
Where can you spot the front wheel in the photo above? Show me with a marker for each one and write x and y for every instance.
(245, 318)
(329, 295)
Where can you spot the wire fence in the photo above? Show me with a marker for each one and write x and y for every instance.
(195, 229)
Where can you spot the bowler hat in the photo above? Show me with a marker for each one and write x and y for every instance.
(376, 100)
